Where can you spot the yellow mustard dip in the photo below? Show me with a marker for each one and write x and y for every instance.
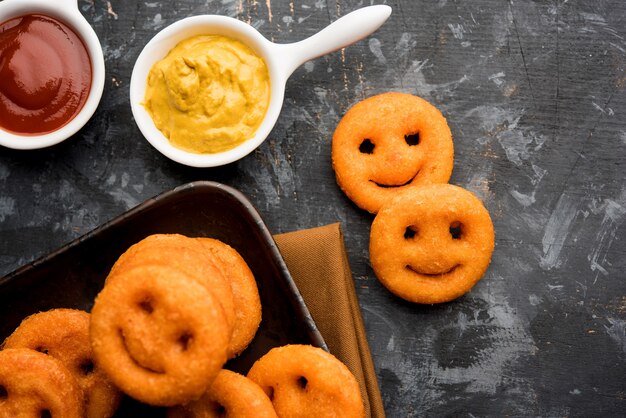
(209, 94)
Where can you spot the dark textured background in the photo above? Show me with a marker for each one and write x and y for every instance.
(534, 95)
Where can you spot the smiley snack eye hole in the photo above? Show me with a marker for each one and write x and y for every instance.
(42, 349)
(410, 232)
(302, 382)
(412, 139)
(184, 340)
(46, 414)
(86, 367)
(3, 392)
(456, 230)
(146, 305)
(366, 147)
(220, 411)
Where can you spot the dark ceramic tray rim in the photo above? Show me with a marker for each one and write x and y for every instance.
(299, 305)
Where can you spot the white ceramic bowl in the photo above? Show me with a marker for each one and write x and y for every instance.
(281, 60)
(67, 12)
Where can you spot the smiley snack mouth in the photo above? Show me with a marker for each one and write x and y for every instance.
(391, 186)
(134, 360)
(443, 273)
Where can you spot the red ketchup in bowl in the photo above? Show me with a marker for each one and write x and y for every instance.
(45, 75)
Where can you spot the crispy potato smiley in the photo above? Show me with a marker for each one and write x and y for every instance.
(230, 395)
(388, 143)
(33, 384)
(431, 244)
(64, 335)
(185, 254)
(307, 382)
(161, 336)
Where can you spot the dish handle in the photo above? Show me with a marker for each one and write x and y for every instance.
(344, 31)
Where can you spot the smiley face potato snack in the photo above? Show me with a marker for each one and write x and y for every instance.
(306, 381)
(214, 263)
(161, 336)
(64, 335)
(431, 244)
(33, 384)
(230, 395)
(184, 254)
(388, 143)
(162, 325)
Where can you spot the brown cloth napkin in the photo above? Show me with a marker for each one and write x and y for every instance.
(317, 260)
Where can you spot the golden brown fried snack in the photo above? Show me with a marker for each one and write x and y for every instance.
(64, 335)
(431, 244)
(390, 142)
(186, 254)
(160, 336)
(245, 293)
(305, 381)
(33, 384)
(230, 395)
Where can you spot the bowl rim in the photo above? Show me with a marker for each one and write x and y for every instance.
(72, 17)
(158, 47)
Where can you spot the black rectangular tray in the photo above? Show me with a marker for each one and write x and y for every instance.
(72, 276)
